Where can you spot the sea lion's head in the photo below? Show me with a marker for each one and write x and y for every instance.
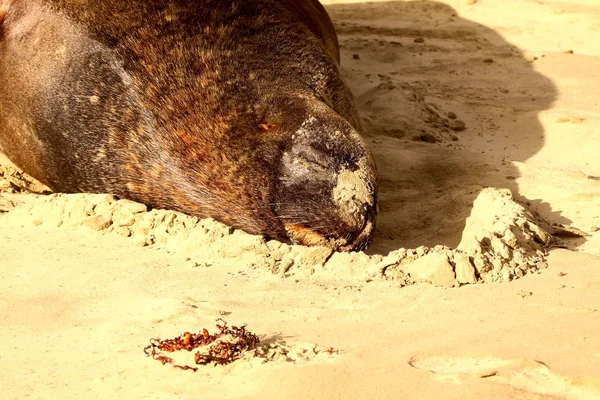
(203, 119)
(326, 188)
(288, 168)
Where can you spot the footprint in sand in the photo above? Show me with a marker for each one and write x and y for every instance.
(523, 374)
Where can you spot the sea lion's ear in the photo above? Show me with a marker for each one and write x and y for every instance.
(4, 6)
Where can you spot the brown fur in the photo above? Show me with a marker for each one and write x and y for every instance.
(178, 104)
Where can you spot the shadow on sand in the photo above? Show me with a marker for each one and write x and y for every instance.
(418, 72)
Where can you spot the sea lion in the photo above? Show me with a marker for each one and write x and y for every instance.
(234, 110)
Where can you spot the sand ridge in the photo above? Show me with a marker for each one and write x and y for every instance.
(502, 240)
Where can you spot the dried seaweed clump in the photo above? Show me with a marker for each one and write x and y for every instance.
(224, 347)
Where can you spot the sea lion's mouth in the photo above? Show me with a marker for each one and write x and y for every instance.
(351, 241)
(303, 235)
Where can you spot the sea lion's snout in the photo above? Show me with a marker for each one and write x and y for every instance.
(326, 194)
(355, 196)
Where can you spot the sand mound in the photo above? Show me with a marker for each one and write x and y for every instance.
(501, 240)
(13, 180)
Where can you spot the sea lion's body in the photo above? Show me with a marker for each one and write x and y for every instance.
(226, 109)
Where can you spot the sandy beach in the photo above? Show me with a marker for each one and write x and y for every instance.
(482, 282)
